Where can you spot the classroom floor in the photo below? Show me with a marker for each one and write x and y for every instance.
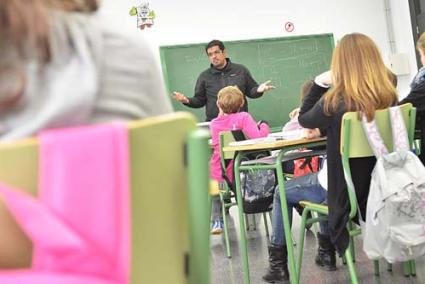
(229, 271)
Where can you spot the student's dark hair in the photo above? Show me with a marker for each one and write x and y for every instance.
(305, 89)
(215, 42)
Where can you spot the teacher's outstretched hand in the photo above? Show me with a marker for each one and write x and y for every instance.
(266, 86)
(180, 97)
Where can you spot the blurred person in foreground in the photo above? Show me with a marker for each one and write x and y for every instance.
(60, 66)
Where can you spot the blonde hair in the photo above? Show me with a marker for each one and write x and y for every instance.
(420, 45)
(393, 77)
(230, 99)
(360, 78)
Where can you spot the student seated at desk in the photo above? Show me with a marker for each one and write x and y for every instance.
(301, 166)
(230, 101)
(360, 82)
(310, 187)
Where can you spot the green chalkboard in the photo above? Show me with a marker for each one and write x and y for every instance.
(287, 61)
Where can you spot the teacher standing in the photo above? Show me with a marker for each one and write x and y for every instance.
(221, 73)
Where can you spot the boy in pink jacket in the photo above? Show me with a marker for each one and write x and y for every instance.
(229, 101)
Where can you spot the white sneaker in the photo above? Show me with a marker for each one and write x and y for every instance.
(217, 227)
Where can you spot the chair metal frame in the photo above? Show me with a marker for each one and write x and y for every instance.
(284, 147)
(226, 194)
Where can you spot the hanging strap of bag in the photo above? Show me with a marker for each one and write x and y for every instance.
(398, 129)
(374, 137)
(307, 163)
(226, 178)
(399, 137)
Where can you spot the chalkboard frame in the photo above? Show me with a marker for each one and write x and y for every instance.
(229, 44)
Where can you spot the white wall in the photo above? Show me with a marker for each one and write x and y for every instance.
(193, 21)
(404, 41)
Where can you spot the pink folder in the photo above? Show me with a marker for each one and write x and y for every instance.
(80, 223)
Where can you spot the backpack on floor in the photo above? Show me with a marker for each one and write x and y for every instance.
(257, 188)
(395, 215)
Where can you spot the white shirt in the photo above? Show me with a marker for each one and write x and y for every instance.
(322, 176)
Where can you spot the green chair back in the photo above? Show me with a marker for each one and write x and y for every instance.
(18, 168)
(160, 201)
(226, 137)
(169, 200)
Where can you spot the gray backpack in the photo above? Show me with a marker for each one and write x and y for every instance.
(258, 190)
(395, 216)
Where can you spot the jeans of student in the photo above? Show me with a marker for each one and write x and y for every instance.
(305, 187)
(216, 208)
(216, 204)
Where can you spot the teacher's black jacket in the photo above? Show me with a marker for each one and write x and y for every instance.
(312, 116)
(213, 80)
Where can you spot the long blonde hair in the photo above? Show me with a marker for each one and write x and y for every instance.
(360, 78)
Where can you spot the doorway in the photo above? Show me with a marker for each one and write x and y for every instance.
(417, 15)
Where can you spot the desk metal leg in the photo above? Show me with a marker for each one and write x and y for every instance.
(242, 244)
(288, 235)
(294, 274)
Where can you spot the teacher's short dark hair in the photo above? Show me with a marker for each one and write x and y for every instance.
(215, 42)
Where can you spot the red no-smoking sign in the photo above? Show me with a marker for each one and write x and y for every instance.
(289, 27)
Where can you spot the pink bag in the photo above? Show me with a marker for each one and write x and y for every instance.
(80, 223)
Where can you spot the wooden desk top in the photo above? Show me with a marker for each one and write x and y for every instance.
(273, 145)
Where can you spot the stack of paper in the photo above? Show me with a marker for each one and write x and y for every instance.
(288, 135)
(262, 140)
(204, 125)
